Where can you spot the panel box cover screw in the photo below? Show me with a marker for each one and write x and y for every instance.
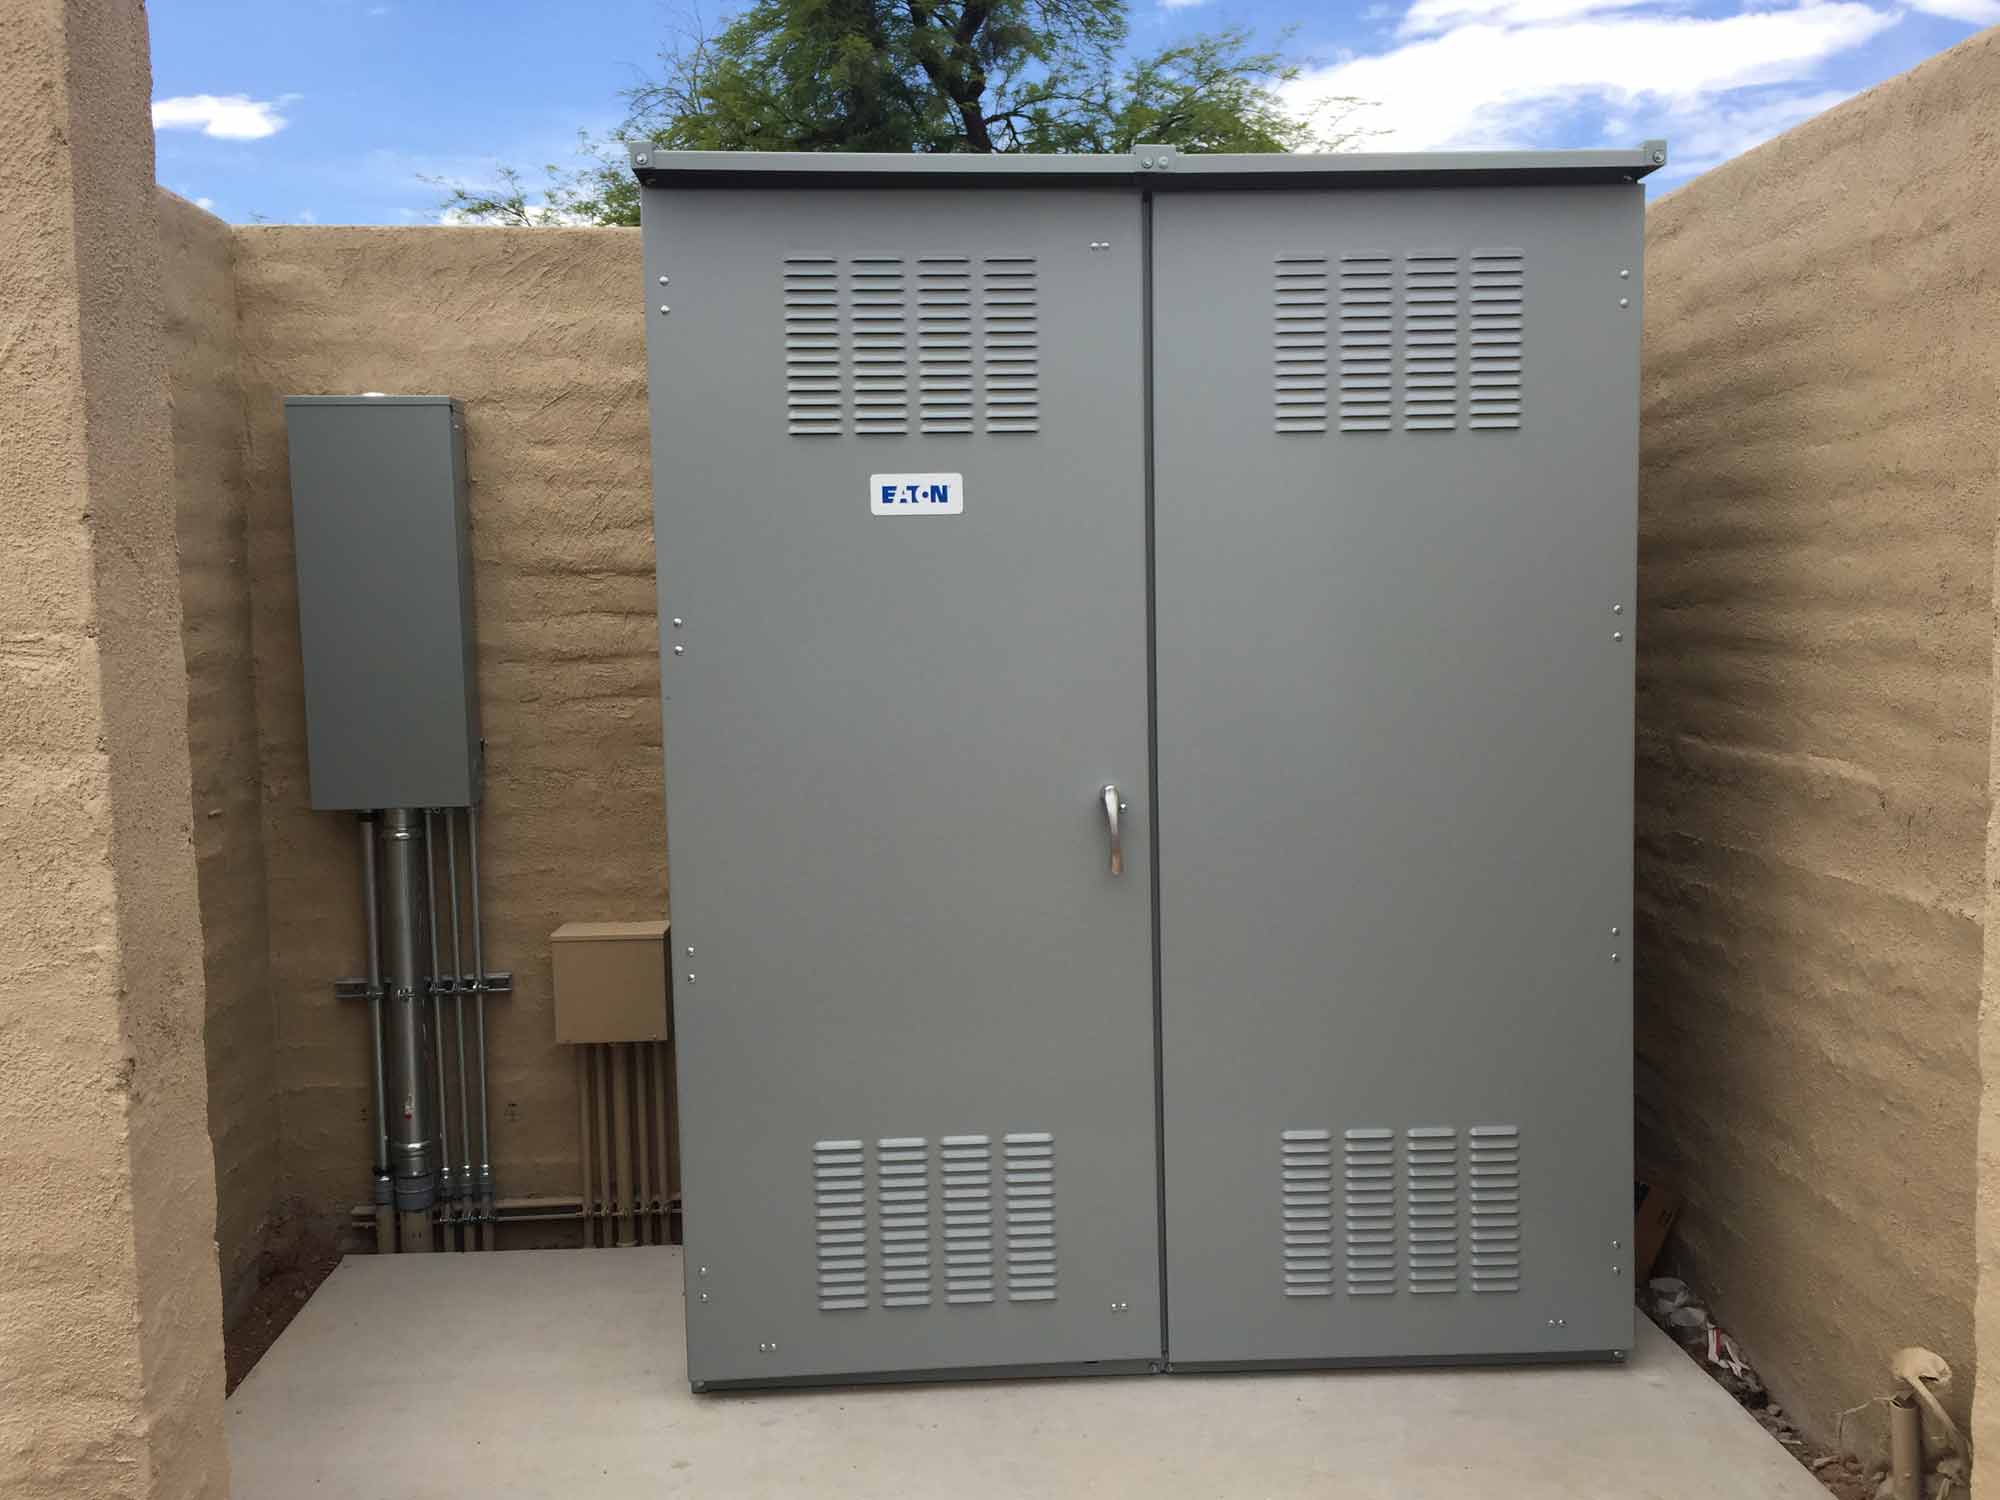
(690, 950)
(1617, 635)
(664, 308)
(663, 280)
(680, 651)
(1624, 275)
(703, 1271)
(1616, 609)
(1622, 302)
(677, 622)
(1659, 158)
(640, 158)
(704, 1296)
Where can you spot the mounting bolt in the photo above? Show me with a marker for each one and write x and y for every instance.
(639, 160)
(1659, 158)
(698, 1385)
(1617, 1353)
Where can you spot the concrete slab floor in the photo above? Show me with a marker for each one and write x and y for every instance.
(560, 1373)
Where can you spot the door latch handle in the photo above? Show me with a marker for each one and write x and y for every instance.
(1113, 806)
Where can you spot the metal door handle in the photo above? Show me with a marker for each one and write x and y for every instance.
(1113, 806)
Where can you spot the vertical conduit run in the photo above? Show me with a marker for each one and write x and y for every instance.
(479, 1007)
(416, 1191)
(584, 1197)
(662, 1112)
(446, 1190)
(467, 1183)
(606, 1203)
(621, 1103)
(641, 1121)
(383, 1192)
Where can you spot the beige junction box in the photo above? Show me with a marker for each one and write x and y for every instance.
(610, 981)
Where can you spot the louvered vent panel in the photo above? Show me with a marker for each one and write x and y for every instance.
(1498, 286)
(1495, 1170)
(903, 1197)
(1430, 341)
(840, 1224)
(1367, 342)
(812, 346)
(1430, 1162)
(881, 346)
(1307, 1187)
(1030, 1158)
(968, 1218)
(1298, 373)
(1011, 344)
(944, 344)
(1369, 1212)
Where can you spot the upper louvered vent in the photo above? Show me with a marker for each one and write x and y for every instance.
(903, 1168)
(1298, 373)
(1012, 344)
(1369, 1207)
(1367, 342)
(1498, 287)
(881, 346)
(1030, 1158)
(1496, 1208)
(1430, 341)
(1307, 1156)
(944, 343)
(812, 346)
(968, 1218)
(840, 1224)
(1430, 1155)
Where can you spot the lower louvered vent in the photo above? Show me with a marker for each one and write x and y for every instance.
(1496, 1208)
(1430, 1156)
(1369, 1212)
(840, 1224)
(903, 1169)
(1307, 1157)
(968, 1218)
(1031, 1216)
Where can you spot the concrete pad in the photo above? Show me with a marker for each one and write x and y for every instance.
(560, 1373)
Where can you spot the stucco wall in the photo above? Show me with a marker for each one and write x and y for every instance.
(539, 332)
(1816, 591)
(110, 1318)
(205, 395)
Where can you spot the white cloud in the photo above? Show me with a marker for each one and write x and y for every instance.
(1709, 134)
(1190, 4)
(1972, 12)
(1501, 72)
(207, 205)
(229, 117)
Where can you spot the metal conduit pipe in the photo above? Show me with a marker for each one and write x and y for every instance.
(383, 1192)
(479, 1008)
(467, 1182)
(416, 1190)
(447, 1190)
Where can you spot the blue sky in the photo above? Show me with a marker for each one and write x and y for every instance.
(333, 111)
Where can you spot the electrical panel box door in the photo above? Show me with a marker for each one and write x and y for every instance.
(899, 472)
(1395, 543)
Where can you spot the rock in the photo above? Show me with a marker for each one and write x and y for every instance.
(1691, 1316)
(1667, 1286)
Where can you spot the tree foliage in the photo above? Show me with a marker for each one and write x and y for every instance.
(926, 76)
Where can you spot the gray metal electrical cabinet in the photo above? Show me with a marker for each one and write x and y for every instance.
(1147, 660)
(385, 600)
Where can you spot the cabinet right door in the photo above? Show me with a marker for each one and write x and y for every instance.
(1395, 439)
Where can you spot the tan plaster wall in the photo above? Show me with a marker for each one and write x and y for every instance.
(211, 525)
(539, 332)
(110, 1347)
(1816, 648)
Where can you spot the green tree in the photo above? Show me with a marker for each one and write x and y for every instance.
(925, 75)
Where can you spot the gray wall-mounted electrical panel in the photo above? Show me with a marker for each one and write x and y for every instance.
(385, 600)
(1147, 658)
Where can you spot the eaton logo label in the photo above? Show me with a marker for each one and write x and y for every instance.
(916, 494)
